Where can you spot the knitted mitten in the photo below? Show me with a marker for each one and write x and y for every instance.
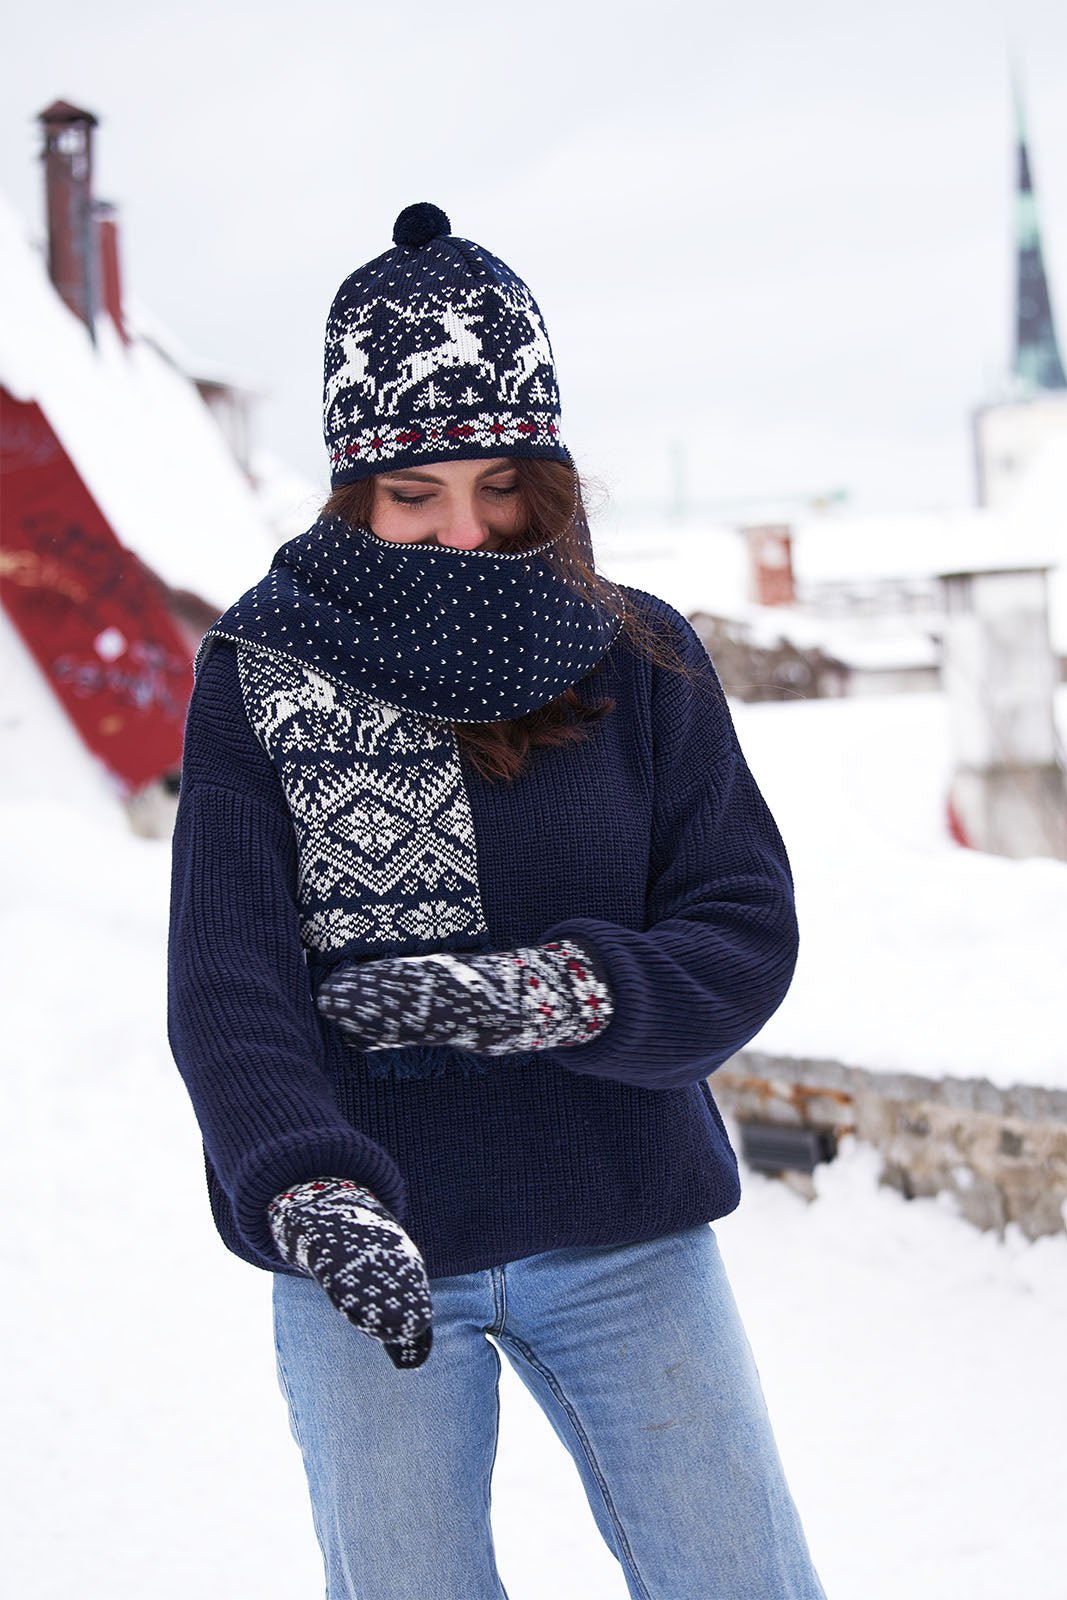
(541, 997)
(342, 1236)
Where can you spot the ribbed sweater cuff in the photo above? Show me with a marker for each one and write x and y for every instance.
(300, 1158)
(674, 1023)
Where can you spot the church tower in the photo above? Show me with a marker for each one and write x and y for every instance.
(1037, 363)
(1011, 433)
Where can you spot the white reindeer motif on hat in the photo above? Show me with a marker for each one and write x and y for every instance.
(462, 321)
(525, 360)
(461, 347)
(351, 374)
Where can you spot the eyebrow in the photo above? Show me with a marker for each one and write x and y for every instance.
(428, 477)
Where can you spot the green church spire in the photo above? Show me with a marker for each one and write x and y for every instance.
(1037, 363)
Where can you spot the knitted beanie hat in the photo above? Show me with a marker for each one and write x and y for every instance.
(436, 351)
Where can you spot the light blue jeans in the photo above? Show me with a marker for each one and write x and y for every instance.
(637, 1356)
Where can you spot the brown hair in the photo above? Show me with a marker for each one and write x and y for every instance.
(552, 500)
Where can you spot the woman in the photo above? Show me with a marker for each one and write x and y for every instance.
(472, 890)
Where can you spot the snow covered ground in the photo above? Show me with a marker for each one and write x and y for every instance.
(916, 956)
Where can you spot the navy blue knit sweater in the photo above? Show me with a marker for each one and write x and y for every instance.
(648, 843)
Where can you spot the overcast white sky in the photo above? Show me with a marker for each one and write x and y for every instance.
(771, 242)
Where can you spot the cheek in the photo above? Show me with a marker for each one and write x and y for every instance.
(391, 521)
(510, 515)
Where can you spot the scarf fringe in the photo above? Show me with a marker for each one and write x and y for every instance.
(440, 1061)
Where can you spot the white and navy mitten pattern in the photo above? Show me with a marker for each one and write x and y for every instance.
(542, 997)
(341, 1235)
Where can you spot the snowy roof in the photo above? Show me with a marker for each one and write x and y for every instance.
(143, 441)
(1031, 531)
(692, 568)
(705, 568)
(145, 324)
(837, 549)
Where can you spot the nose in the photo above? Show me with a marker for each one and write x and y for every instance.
(465, 530)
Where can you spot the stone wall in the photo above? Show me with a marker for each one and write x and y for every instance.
(1001, 1152)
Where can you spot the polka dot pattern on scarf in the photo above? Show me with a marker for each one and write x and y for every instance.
(461, 635)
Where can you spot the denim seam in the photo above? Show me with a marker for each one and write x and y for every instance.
(500, 1301)
(492, 1463)
(572, 1415)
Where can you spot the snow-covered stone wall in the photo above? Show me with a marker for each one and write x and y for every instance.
(1001, 1152)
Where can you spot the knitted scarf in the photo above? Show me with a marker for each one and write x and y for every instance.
(354, 655)
(458, 635)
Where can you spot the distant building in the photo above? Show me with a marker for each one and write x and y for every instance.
(130, 519)
(827, 602)
(1010, 433)
(971, 601)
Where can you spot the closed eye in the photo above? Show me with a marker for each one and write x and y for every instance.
(421, 499)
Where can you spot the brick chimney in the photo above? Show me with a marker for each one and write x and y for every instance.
(68, 176)
(110, 278)
(770, 557)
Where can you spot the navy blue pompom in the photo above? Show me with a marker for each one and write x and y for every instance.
(417, 225)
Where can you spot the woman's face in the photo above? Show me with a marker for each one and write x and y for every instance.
(470, 505)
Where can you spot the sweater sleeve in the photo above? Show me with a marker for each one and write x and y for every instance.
(242, 1022)
(717, 952)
